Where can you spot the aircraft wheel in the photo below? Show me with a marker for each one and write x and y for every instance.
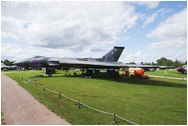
(132, 76)
(86, 77)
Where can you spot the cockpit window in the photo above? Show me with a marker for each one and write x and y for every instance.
(38, 56)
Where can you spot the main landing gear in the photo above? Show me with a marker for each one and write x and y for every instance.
(88, 73)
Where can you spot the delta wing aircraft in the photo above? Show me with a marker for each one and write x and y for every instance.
(108, 61)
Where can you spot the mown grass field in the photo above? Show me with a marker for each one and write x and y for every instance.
(155, 101)
(8, 71)
(170, 73)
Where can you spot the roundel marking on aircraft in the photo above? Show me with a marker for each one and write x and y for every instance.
(108, 56)
(35, 62)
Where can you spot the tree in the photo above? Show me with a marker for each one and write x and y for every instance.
(132, 63)
(153, 63)
(176, 63)
(6, 62)
(169, 63)
(185, 63)
(147, 63)
(162, 61)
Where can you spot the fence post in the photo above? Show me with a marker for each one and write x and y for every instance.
(114, 118)
(44, 88)
(59, 94)
(78, 104)
(36, 84)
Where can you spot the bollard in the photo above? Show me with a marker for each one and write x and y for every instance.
(44, 88)
(59, 94)
(114, 118)
(78, 104)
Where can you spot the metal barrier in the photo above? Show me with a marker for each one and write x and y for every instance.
(60, 94)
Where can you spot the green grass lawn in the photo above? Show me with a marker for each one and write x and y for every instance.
(8, 71)
(155, 101)
(170, 73)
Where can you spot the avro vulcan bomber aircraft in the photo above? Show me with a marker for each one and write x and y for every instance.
(108, 61)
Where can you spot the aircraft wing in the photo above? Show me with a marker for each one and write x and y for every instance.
(74, 63)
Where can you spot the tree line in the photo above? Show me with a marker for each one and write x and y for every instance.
(7, 62)
(166, 62)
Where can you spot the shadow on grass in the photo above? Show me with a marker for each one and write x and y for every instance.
(150, 82)
(129, 80)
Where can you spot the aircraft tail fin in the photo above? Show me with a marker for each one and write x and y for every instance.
(113, 55)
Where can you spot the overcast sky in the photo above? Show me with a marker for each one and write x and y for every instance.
(147, 30)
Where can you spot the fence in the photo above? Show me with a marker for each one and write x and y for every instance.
(79, 103)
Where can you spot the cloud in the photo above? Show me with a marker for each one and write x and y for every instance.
(140, 56)
(151, 18)
(97, 49)
(172, 32)
(73, 25)
(180, 55)
(148, 4)
(13, 51)
(178, 43)
(18, 52)
(133, 56)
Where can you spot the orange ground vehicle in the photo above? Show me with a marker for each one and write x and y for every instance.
(139, 74)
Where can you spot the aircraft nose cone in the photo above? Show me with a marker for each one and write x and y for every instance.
(20, 63)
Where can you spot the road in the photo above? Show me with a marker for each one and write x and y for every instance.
(19, 107)
(168, 77)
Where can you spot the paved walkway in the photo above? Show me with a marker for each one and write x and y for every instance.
(168, 77)
(20, 108)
